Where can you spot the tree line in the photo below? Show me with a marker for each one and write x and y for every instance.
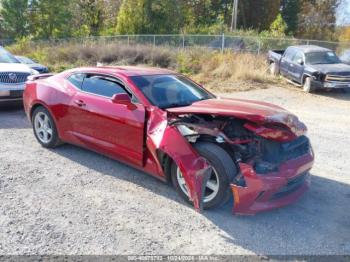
(43, 19)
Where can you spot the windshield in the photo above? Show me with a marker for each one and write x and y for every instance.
(167, 91)
(6, 57)
(25, 60)
(321, 58)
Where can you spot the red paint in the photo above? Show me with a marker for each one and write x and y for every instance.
(251, 203)
(137, 133)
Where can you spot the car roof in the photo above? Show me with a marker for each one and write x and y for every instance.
(125, 70)
(310, 48)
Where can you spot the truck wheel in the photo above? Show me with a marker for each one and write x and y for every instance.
(217, 191)
(307, 87)
(273, 69)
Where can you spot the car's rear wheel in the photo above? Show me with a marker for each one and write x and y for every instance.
(307, 85)
(224, 170)
(44, 128)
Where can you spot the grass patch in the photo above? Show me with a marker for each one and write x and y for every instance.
(220, 72)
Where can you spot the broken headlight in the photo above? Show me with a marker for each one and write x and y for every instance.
(187, 132)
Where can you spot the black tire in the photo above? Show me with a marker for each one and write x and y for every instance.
(54, 139)
(307, 85)
(273, 69)
(222, 163)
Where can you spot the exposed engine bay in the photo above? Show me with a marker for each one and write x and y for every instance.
(237, 138)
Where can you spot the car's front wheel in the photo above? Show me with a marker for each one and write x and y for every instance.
(217, 190)
(44, 128)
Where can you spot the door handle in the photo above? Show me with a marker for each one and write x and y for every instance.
(79, 103)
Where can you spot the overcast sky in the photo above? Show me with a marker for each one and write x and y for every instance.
(343, 16)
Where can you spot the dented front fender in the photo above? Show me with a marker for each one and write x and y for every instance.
(194, 168)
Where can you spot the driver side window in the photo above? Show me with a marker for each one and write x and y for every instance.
(290, 52)
(298, 57)
(102, 85)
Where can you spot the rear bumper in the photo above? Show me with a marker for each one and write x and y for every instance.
(264, 192)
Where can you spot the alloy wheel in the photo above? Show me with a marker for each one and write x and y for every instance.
(43, 127)
(211, 188)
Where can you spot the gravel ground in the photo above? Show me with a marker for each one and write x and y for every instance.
(72, 201)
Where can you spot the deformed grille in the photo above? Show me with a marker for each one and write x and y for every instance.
(276, 152)
(338, 78)
(296, 148)
(13, 78)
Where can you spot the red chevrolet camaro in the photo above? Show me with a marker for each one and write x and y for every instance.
(163, 123)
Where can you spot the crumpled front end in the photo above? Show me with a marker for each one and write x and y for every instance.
(265, 191)
(272, 155)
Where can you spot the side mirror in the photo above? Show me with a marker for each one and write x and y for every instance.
(300, 61)
(122, 99)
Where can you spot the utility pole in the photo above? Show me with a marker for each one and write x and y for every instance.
(234, 15)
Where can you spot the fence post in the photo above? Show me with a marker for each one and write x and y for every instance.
(128, 40)
(183, 41)
(154, 40)
(222, 43)
(307, 42)
(259, 46)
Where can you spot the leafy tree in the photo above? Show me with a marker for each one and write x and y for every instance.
(14, 15)
(110, 16)
(278, 27)
(149, 16)
(208, 12)
(93, 17)
(290, 10)
(88, 16)
(130, 17)
(257, 14)
(317, 19)
(51, 18)
(344, 34)
(65, 18)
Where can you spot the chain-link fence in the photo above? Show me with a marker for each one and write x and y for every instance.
(214, 42)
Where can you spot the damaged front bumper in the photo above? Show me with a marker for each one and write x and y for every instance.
(268, 191)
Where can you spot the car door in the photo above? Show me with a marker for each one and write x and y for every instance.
(98, 123)
(286, 60)
(296, 67)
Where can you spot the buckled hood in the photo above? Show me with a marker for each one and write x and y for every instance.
(253, 111)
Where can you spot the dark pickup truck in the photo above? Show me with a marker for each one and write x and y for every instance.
(311, 67)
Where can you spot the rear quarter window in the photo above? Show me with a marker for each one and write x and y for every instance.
(76, 80)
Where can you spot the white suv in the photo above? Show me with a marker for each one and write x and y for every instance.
(13, 76)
